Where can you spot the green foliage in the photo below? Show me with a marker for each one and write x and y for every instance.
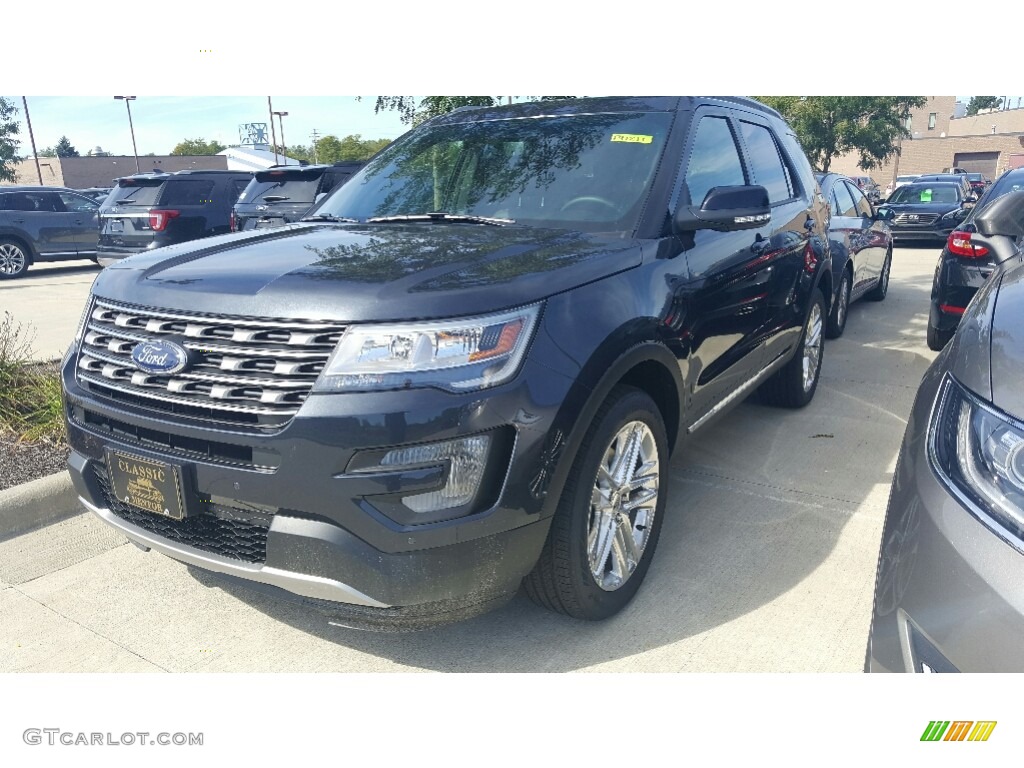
(198, 147)
(331, 149)
(30, 395)
(9, 141)
(431, 106)
(829, 126)
(48, 152)
(978, 103)
(63, 148)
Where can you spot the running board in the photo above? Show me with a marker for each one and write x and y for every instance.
(743, 389)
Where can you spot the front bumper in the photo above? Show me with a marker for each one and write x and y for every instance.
(947, 595)
(281, 510)
(920, 233)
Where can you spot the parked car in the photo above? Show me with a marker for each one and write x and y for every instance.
(954, 170)
(978, 183)
(99, 194)
(151, 210)
(281, 195)
(926, 210)
(901, 181)
(953, 178)
(868, 186)
(44, 224)
(952, 554)
(963, 267)
(861, 246)
(469, 371)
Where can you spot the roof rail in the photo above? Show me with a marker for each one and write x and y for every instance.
(746, 101)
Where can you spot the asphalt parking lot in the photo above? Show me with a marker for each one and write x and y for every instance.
(766, 560)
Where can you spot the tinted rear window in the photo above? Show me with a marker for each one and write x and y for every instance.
(135, 192)
(187, 192)
(281, 187)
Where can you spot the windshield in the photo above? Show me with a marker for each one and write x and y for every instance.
(926, 193)
(974, 177)
(586, 172)
(282, 187)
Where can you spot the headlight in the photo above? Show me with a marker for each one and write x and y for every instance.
(979, 453)
(959, 213)
(457, 355)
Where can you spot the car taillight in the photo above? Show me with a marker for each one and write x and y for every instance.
(234, 222)
(158, 220)
(810, 258)
(960, 244)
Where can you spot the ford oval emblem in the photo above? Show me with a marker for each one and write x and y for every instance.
(159, 356)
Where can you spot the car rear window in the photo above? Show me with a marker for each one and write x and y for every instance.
(187, 192)
(282, 187)
(135, 192)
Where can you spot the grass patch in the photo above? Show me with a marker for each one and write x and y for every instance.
(30, 394)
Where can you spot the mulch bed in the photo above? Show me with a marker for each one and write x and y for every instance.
(21, 462)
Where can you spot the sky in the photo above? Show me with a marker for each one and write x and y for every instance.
(162, 121)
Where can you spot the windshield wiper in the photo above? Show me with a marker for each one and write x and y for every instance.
(328, 217)
(441, 216)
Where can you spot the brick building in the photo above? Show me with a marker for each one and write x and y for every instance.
(989, 143)
(100, 171)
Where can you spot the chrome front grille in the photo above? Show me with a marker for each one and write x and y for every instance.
(916, 219)
(241, 371)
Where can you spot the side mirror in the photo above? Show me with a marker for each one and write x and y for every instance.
(885, 214)
(1003, 216)
(726, 209)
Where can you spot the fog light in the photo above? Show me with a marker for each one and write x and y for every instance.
(467, 458)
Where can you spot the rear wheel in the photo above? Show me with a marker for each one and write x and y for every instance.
(606, 527)
(13, 260)
(840, 308)
(879, 292)
(795, 384)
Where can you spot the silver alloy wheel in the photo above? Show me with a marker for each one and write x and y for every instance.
(12, 259)
(812, 346)
(844, 301)
(622, 505)
(884, 281)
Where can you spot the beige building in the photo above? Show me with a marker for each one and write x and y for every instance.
(988, 144)
(100, 171)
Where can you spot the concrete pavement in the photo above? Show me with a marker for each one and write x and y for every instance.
(766, 560)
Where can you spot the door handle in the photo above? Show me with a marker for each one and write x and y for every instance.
(18, 221)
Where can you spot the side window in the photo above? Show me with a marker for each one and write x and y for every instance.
(238, 187)
(77, 203)
(766, 163)
(860, 203)
(833, 204)
(714, 160)
(328, 182)
(844, 200)
(45, 202)
(186, 192)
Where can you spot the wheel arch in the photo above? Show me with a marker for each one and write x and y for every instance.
(20, 239)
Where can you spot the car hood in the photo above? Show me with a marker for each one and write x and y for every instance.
(366, 272)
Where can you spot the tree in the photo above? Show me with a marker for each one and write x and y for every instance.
(978, 103)
(47, 152)
(9, 141)
(432, 106)
(63, 148)
(829, 126)
(198, 147)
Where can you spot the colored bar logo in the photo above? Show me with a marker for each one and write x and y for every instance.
(958, 730)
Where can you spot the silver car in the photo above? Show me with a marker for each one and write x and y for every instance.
(948, 594)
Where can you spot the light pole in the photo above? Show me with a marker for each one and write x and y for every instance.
(273, 136)
(284, 147)
(39, 172)
(128, 104)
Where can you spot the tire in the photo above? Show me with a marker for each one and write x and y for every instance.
(791, 387)
(840, 309)
(938, 339)
(580, 572)
(878, 293)
(14, 259)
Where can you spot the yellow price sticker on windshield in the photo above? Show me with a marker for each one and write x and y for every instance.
(632, 138)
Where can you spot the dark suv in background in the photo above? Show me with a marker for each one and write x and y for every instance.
(150, 210)
(468, 372)
(283, 194)
(44, 224)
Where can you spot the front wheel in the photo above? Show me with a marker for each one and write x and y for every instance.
(794, 385)
(606, 527)
(13, 260)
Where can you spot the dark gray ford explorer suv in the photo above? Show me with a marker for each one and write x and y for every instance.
(466, 369)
